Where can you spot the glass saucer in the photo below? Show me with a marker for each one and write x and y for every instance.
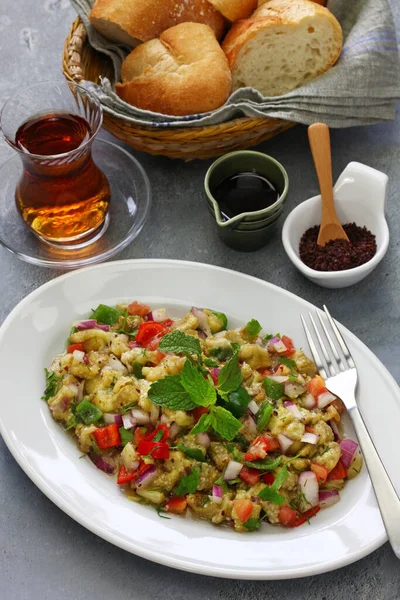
(129, 208)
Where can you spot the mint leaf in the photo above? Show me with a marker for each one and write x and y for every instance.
(252, 524)
(126, 436)
(188, 484)
(267, 337)
(265, 465)
(106, 314)
(170, 392)
(253, 328)
(222, 317)
(272, 496)
(209, 362)
(281, 477)
(195, 453)
(230, 376)
(180, 343)
(288, 362)
(53, 384)
(201, 391)
(264, 415)
(203, 424)
(225, 423)
(273, 389)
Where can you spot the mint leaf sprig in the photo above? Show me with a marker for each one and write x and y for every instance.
(221, 420)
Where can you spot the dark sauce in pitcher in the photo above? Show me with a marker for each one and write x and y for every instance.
(244, 192)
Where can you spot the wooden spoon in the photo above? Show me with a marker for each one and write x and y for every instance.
(330, 229)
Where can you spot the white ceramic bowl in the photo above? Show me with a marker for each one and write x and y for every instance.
(360, 195)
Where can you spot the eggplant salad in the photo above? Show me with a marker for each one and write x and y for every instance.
(233, 425)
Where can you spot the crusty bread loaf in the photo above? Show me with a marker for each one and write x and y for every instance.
(283, 45)
(235, 9)
(183, 72)
(322, 2)
(132, 21)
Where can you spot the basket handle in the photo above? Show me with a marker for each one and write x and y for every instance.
(73, 52)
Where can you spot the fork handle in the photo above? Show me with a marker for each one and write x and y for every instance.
(388, 500)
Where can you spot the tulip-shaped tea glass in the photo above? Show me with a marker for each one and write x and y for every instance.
(61, 195)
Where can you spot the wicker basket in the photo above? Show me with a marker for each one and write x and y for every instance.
(81, 61)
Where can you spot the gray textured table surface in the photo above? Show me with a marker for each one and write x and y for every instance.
(46, 555)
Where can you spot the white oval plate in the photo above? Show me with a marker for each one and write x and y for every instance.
(36, 330)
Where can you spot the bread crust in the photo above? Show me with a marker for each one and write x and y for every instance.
(234, 10)
(133, 21)
(183, 72)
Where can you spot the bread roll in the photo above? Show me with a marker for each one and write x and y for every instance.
(183, 72)
(282, 46)
(235, 9)
(132, 21)
(322, 2)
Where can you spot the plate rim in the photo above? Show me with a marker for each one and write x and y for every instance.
(175, 562)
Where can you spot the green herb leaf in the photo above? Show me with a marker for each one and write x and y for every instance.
(273, 389)
(71, 423)
(222, 317)
(230, 376)
(253, 328)
(224, 422)
(267, 337)
(170, 392)
(288, 362)
(106, 314)
(87, 413)
(53, 384)
(195, 453)
(209, 362)
(201, 391)
(188, 484)
(159, 436)
(203, 424)
(160, 510)
(263, 415)
(73, 330)
(265, 465)
(268, 493)
(126, 436)
(252, 524)
(180, 343)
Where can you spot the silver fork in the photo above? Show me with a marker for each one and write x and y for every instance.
(341, 380)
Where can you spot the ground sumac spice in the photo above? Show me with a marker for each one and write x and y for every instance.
(338, 255)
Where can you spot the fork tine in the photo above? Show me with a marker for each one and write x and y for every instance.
(332, 345)
(343, 345)
(313, 348)
(329, 366)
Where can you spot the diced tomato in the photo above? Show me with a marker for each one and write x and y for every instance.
(154, 449)
(199, 411)
(73, 347)
(287, 516)
(309, 429)
(138, 309)
(269, 478)
(306, 516)
(147, 331)
(272, 443)
(338, 472)
(243, 508)
(167, 322)
(176, 505)
(125, 476)
(214, 376)
(107, 437)
(266, 372)
(316, 386)
(290, 349)
(249, 475)
(321, 472)
(338, 404)
(164, 428)
(260, 446)
(140, 434)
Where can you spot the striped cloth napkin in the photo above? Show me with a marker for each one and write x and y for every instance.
(361, 89)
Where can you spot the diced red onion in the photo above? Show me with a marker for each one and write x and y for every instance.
(101, 463)
(310, 438)
(293, 408)
(141, 417)
(79, 356)
(128, 420)
(154, 414)
(284, 441)
(308, 483)
(348, 448)
(308, 401)
(201, 334)
(293, 389)
(133, 465)
(324, 399)
(202, 320)
(115, 365)
(132, 345)
(92, 324)
(174, 430)
(232, 470)
(279, 378)
(147, 477)
(158, 315)
(81, 386)
(164, 419)
(276, 345)
(111, 418)
(214, 372)
(216, 494)
(203, 439)
(328, 498)
(335, 429)
(74, 388)
(253, 407)
(61, 405)
(251, 426)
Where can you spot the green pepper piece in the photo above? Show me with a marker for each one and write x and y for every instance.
(238, 402)
(87, 412)
(106, 314)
